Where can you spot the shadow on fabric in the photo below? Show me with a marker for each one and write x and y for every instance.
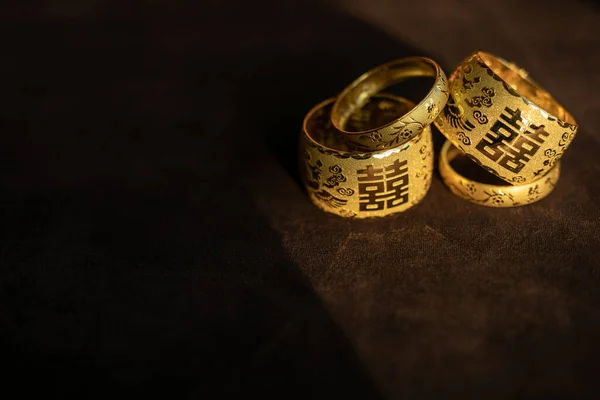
(134, 263)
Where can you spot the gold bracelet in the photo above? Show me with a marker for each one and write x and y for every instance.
(405, 127)
(361, 185)
(504, 121)
(493, 195)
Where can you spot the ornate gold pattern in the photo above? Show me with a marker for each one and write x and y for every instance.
(363, 184)
(405, 127)
(492, 195)
(514, 124)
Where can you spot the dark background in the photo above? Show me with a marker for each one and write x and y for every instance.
(154, 240)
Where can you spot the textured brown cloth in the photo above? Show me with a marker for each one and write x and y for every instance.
(154, 239)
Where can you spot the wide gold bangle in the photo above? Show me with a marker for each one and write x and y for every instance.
(493, 195)
(504, 121)
(402, 129)
(359, 184)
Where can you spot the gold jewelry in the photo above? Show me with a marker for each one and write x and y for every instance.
(492, 195)
(405, 127)
(360, 185)
(504, 121)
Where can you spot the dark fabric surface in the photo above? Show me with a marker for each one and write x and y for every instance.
(155, 241)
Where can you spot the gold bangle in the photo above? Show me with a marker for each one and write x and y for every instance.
(405, 127)
(504, 121)
(361, 185)
(493, 195)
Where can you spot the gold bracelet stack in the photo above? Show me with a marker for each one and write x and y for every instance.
(505, 122)
(370, 154)
(363, 184)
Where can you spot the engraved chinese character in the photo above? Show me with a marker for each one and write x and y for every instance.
(504, 145)
(381, 188)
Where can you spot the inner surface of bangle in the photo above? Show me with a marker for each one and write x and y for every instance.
(379, 80)
(520, 82)
(379, 110)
